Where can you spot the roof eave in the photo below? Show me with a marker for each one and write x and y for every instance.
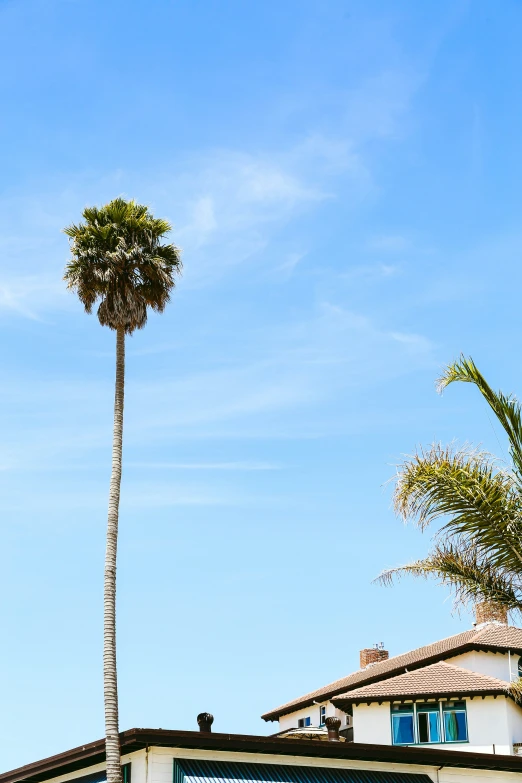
(341, 703)
(137, 739)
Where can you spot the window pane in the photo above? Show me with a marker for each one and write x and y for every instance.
(462, 733)
(434, 727)
(428, 726)
(450, 727)
(455, 727)
(422, 720)
(402, 729)
(454, 705)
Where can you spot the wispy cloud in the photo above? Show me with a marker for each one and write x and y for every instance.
(31, 296)
(229, 204)
(289, 265)
(234, 202)
(286, 381)
(292, 369)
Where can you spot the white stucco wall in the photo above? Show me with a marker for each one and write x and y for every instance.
(514, 713)
(372, 723)
(290, 721)
(492, 664)
(493, 725)
(489, 727)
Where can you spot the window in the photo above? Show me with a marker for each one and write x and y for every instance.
(421, 724)
(402, 725)
(303, 722)
(455, 728)
(322, 716)
(428, 723)
(520, 667)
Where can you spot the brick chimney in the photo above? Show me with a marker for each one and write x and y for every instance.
(373, 654)
(490, 612)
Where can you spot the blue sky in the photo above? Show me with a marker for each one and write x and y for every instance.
(344, 179)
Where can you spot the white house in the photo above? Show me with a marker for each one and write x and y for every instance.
(453, 694)
(159, 756)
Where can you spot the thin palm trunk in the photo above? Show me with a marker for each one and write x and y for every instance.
(110, 680)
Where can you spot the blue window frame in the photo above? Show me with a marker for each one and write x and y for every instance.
(303, 722)
(322, 716)
(429, 723)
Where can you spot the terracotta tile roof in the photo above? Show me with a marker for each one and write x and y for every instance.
(492, 636)
(439, 679)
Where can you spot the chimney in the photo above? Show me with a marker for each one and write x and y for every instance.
(205, 721)
(333, 725)
(490, 612)
(373, 654)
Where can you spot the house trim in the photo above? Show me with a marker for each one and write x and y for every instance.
(347, 703)
(139, 739)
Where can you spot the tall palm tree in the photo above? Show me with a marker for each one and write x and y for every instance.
(477, 550)
(120, 261)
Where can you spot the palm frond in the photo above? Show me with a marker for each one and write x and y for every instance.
(467, 572)
(515, 690)
(463, 489)
(506, 408)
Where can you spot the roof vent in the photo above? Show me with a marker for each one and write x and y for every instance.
(205, 721)
(490, 612)
(373, 654)
(333, 725)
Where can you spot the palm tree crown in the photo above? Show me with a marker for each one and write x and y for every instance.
(477, 550)
(118, 259)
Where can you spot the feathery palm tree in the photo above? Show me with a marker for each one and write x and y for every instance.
(477, 551)
(119, 260)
